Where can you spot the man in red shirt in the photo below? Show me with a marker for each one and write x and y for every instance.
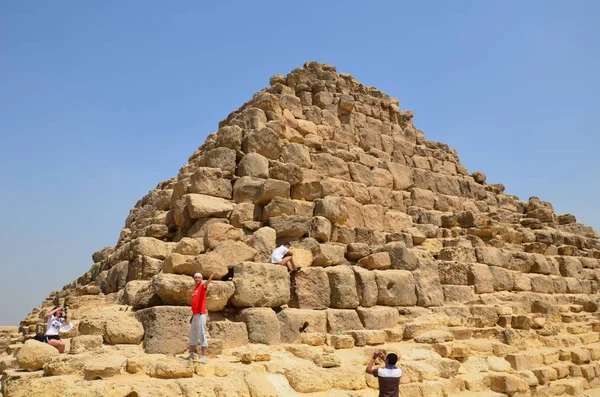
(198, 320)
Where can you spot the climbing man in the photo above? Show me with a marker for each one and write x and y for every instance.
(388, 376)
(198, 320)
(282, 255)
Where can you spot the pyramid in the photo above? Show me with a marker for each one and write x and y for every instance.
(479, 291)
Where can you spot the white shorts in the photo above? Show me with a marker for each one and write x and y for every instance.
(198, 330)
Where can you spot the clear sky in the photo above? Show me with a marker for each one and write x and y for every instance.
(101, 100)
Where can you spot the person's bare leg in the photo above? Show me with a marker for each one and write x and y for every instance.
(287, 261)
(59, 345)
(203, 350)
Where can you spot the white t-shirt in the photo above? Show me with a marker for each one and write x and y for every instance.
(279, 253)
(56, 325)
(53, 325)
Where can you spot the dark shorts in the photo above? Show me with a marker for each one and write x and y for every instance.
(46, 338)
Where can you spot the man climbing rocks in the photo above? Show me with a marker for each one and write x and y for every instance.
(282, 255)
(198, 320)
(388, 376)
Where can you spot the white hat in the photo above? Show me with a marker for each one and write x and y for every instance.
(198, 275)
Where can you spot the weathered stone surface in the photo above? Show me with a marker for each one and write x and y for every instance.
(378, 317)
(342, 286)
(260, 284)
(377, 261)
(203, 206)
(395, 288)
(33, 355)
(428, 287)
(233, 334)
(294, 322)
(342, 320)
(366, 286)
(166, 329)
(310, 289)
(262, 325)
(210, 181)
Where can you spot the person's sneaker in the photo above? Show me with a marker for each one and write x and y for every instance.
(203, 360)
(189, 357)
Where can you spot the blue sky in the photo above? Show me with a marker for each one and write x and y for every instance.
(100, 101)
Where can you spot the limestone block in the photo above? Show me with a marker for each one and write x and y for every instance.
(378, 317)
(377, 261)
(395, 288)
(104, 367)
(298, 154)
(374, 216)
(396, 221)
(232, 333)
(361, 174)
(223, 158)
(231, 253)
(264, 141)
(216, 233)
(230, 137)
(254, 165)
(428, 287)
(454, 273)
(332, 208)
(366, 287)
(401, 258)
(116, 278)
(173, 289)
(342, 320)
(150, 246)
(203, 206)
(259, 385)
(259, 284)
(507, 383)
(354, 212)
(492, 256)
(166, 329)
(342, 286)
(206, 264)
(302, 257)
(262, 325)
(33, 355)
(401, 175)
(458, 293)
(126, 330)
(329, 165)
(422, 198)
(291, 173)
(541, 283)
(503, 279)
(525, 360)
(290, 226)
(211, 182)
(357, 251)
(247, 189)
(367, 337)
(272, 188)
(570, 267)
(188, 246)
(295, 322)
(309, 380)
(481, 277)
(329, 254)
(310, 289)
(85, 343)
(264, 242)
(320, 229)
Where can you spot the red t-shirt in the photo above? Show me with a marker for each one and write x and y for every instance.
(199, 300)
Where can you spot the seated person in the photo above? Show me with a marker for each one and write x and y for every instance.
(56, 323)
(282, 255)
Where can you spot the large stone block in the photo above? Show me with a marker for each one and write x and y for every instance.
(396, 221)
(366, 286)
(206, 264)
(231, 253)
(203, 206)
(264, 241)
(262, 325)
(290, 226)
(210, 181)
(233, 334)
(329, 254)
(378, 317)
(339, 320)
(329, 165)
(401, 258)
(401, 175)
(260, 284)
(310, 289)
(293, 322)
(166, 329)
(247, 189)
(217, 233)
(151, 247)
(173, 289)
(253, 164)
(33, 355)
(395, 288)
(428, 287)
(481, 278)
(332, 208)
(503, 279)
(342, 285)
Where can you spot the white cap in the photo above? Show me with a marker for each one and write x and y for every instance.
(198, 275)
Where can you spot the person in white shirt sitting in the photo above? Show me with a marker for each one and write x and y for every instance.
(57, 323)
(283, 255)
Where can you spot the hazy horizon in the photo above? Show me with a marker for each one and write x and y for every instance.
(102, 101)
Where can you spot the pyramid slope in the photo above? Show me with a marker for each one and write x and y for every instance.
(396, 239)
